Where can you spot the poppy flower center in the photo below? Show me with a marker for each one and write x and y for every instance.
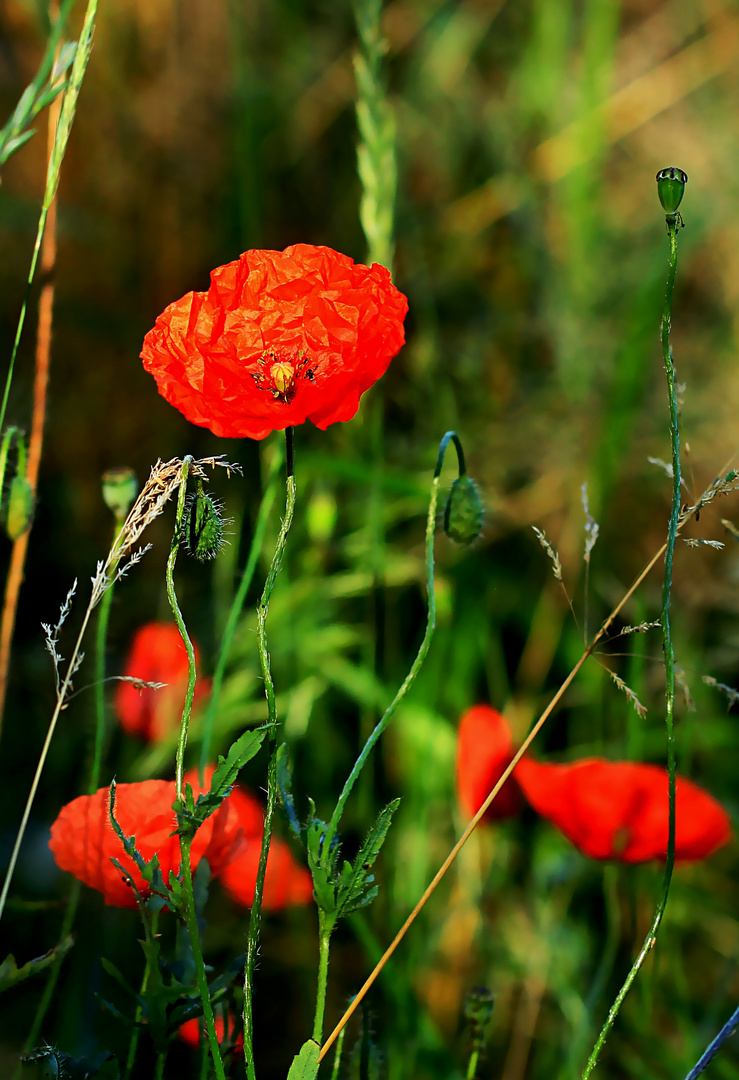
(278, 373)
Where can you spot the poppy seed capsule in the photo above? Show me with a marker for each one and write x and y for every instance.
(202, 526)
(671, 188)
(20, 507)
(463, 511)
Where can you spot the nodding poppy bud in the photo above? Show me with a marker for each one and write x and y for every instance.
(20, 507)
(463, 511)
(671, 188)
(202, 525)
(119, 490)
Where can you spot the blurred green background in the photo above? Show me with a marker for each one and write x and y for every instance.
(532, 249)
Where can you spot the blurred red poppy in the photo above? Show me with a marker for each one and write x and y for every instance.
(619, 810)
(157, 654)
(608, 809)
(280, 337)
(193, 1032)
(285, 883)
(484, 750)
(83, 841)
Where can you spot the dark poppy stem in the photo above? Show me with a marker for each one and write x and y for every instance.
(252, 947)
(667, 646)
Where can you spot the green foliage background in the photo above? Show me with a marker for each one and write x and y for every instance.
(531, 246)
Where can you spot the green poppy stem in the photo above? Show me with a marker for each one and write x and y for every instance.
(269, 691)
(667, 646)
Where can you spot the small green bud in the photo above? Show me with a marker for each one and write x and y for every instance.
(120, 487)
(20, 507)
(202, 525)
(463, 511)
(671, 188)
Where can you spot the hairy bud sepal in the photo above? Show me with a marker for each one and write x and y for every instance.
(20, 507)
(463, 512)
(202, 525)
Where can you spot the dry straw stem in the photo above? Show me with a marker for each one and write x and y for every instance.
(15, 576)
(719, 487)
(164, 480)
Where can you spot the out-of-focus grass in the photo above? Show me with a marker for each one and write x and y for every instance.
(531, 246)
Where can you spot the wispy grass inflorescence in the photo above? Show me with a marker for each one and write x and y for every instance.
(164, 480)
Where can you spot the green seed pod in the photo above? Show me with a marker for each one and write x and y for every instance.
(463, 511)
(119, 490)
(20, 507)
(671, 188)
(202, 526)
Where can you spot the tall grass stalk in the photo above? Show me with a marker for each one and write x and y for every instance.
(60, 132)
(667, 646)
(269, 692)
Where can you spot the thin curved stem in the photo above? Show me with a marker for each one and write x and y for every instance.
(260, 528)
(172, 597)
(269, 692)
(667, 647)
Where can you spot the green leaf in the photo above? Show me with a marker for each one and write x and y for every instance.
(305, 1064)
(11, 974)
(284, 786)
(355, 888)
(191, 815)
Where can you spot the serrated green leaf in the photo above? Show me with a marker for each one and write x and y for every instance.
(355, 888)
(191, 815)
(305, 1063)
(284, 786)
(11, 974)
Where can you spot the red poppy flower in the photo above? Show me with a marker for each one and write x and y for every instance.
(619, 810)
(193, 1032)
(484, 750)
(83, 840)
(280, 337)
(157, 654)
(285, 882)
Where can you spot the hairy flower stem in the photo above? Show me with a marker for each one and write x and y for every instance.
(260, 528)
(189, 912)
(269, 692)
(172, 597)
(667, 647)
(324, 941)
(191, 921)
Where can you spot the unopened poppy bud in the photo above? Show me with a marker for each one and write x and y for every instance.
(671, 188)
(119, 490)
(463, 511)
(202, 525)
(20, 507)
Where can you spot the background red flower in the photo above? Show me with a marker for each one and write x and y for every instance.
(157, 654)
(193, 1031)
(484, 750)
(619, 810)
(285, 882)
(83, 840)
(280, 337)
